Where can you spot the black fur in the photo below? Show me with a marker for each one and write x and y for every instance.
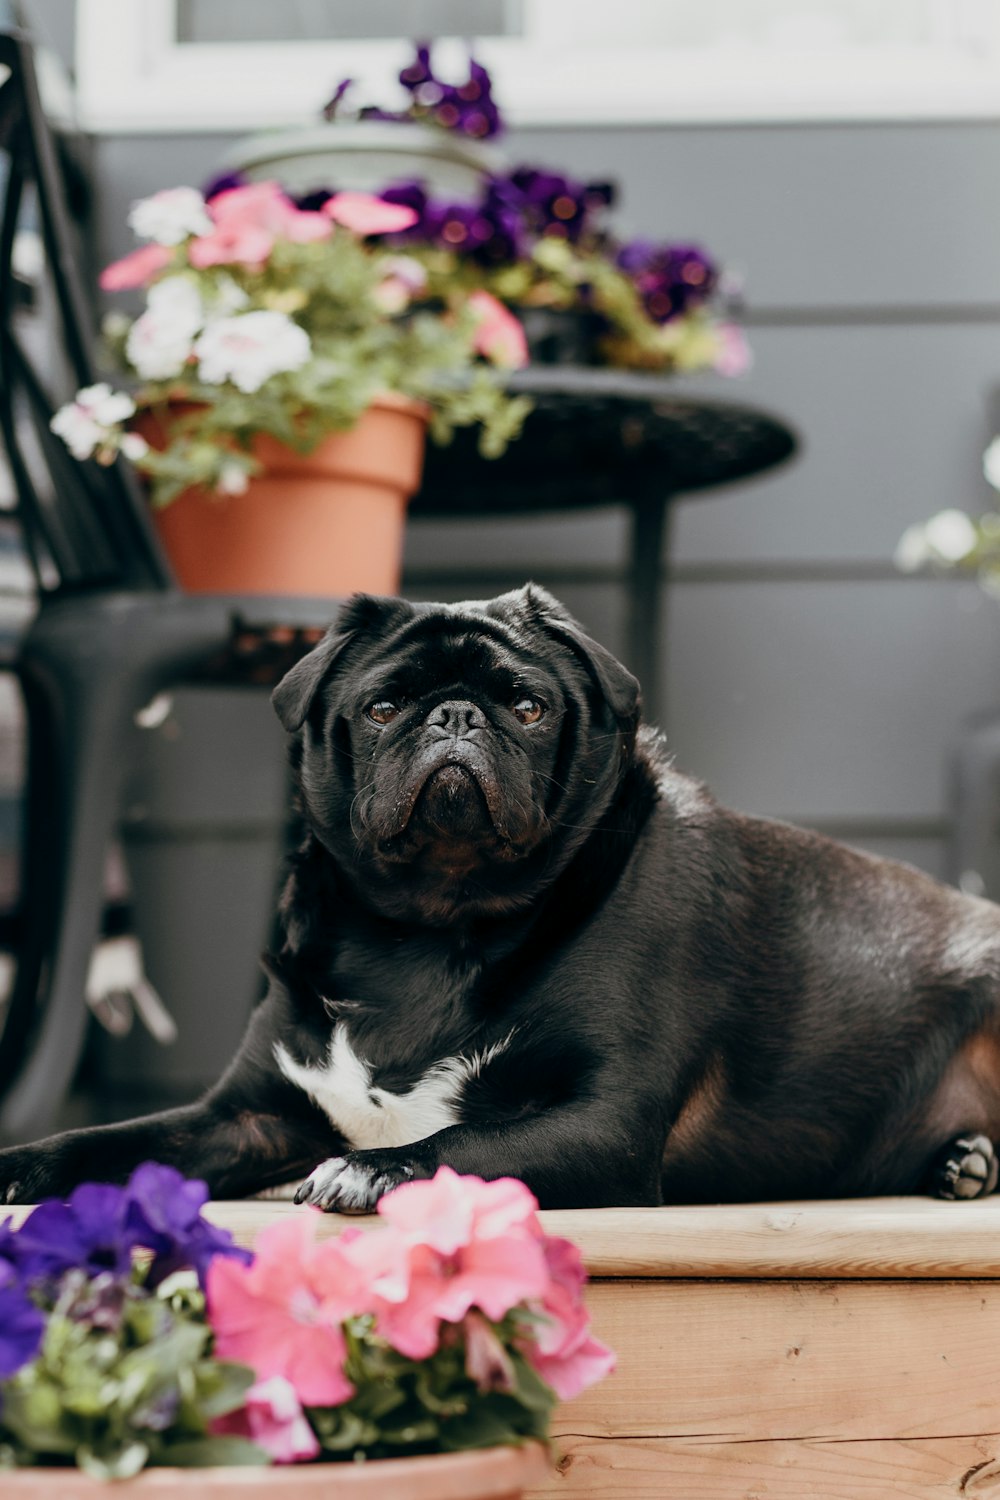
(670, 1002)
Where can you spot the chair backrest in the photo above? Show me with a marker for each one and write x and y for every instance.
(85, 525)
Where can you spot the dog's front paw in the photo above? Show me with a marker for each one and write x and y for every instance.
(354, 1183)
(966, 1167)
(26, 1175)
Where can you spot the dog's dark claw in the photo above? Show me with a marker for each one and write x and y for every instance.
(967, 1167)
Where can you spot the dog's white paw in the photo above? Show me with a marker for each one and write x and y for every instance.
(351, 1185)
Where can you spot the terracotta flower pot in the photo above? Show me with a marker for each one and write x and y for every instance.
(326, 522)
(482, 1474)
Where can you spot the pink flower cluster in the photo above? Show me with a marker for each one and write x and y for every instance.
(452, 1253)
(243, 226)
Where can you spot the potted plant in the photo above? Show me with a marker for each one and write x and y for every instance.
(423, 1356)
(292, 333)
(284, 370)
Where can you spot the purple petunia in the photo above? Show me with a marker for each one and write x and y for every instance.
(99, 1226)
(87, 1232)
(164, 1215)
(671, 279)
(21, 1329)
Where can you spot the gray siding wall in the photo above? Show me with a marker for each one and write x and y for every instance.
(804, 678)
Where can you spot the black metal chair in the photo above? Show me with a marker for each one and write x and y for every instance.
(110, 631)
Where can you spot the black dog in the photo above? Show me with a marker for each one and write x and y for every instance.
(518, 942)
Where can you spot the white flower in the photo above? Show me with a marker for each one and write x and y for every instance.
(991, 463)
(250, 348)
(159, 343)
(170, 216)
(951, 535)
(134, 446)
(92, 419)
(912, 552)
(233, 479)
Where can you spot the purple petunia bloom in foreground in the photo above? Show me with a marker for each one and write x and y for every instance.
(87, 1231)
(163, 1214)
(21, 1329)
(99, 1227)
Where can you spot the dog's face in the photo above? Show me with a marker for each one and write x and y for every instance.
(454, 757)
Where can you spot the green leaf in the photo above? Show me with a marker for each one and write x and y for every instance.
(530, 1389)
(220, 1387)
(342, 1431)
(484, 1426)
(212, 1452)
(120, 1463)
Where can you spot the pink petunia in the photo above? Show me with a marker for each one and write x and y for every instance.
(469, 1244)
(487, 1362)
(364, 213)
(734, 357)
(248, 220)
(232, 244)
(135, 269)
(272, 1417)
(562, 1349)
(281, 1314)
(499, 337)
(448, 1211)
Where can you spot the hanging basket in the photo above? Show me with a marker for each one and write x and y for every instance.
(329, 522)
(479, 1474)
(367, 155)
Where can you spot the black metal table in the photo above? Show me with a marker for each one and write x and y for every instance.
(598, 437)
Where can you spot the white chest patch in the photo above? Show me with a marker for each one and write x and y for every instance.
(369, 1117)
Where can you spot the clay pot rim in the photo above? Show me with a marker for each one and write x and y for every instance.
(512, 1468)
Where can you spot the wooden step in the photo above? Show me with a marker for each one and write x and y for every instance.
(785, 1351)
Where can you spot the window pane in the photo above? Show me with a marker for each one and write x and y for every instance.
(343, 20)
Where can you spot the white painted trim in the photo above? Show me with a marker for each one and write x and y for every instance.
(132, 76)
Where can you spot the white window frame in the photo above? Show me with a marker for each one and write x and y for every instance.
(133, 76)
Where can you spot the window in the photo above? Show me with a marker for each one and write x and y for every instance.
(246, 64)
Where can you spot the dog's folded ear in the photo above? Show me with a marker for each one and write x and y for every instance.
(619, 688)
(362, 614)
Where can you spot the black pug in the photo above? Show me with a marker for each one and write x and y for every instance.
(517, 941)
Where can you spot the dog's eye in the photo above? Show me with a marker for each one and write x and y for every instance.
(382, 711)
(527, 710)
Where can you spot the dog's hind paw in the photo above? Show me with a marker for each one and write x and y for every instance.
(966, 1167)
(351, 1185)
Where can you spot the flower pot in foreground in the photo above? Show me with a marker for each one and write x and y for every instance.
(327, 522)
(480, 1474)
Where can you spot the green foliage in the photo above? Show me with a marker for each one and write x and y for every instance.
(137, 1388)
(403, 1405)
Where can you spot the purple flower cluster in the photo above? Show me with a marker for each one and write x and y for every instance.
(93, 1235)
(670, 279)
(512, 213)
(468, 108)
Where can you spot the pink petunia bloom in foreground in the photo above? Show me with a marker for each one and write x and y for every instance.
(448, 1211)
(469, 1244)
(562, 1349)
(499, 336)
(364, 213)
(136, 268)
(272, 1417)
(281, 1314)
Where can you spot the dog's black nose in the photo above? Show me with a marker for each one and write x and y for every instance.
(456, 718)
